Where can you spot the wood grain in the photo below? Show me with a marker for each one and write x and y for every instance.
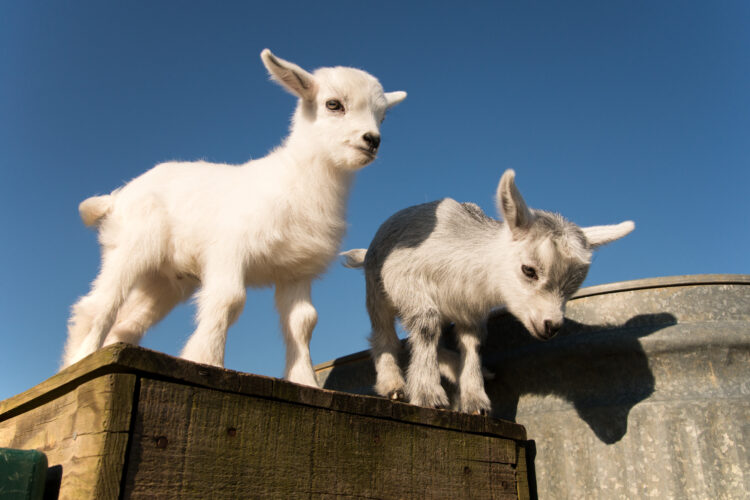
(85, 431)
(198, 443)
(127, 422)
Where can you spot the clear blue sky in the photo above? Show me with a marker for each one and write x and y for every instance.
(606, 110)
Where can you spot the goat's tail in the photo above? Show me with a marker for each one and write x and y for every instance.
(354, 258)
(94, 209)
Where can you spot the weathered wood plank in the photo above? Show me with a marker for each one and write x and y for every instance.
(198, 443)
(125, 358)
(387, 459)
(199, 431)
(522, 474)
(85, 430)
(62, 382)
(217, 444)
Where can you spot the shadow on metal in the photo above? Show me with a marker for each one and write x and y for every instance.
(601, 370)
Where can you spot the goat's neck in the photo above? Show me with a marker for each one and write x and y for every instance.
(304, 147)
(322, 183)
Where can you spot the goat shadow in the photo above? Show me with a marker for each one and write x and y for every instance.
(601, 369)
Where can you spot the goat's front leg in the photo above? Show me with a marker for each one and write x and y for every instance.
(423, 376)
(472, 396)
(220, 302)
(298, 319)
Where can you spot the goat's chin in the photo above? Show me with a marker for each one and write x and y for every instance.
(535, 332)
(356, 160)
(366, 160)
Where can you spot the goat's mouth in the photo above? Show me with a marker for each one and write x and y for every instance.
(368, 152)
(538, 332)
(543, 336)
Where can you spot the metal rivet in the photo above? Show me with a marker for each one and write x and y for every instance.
(231, 432)
(162, 442)
(467, 470)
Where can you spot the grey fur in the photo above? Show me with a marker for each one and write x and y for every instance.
(446, 262)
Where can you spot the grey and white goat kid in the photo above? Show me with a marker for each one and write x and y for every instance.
(277, 220)
(447, 262)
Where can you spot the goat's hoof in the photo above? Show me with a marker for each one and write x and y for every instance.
(481, 412)
(397, 395)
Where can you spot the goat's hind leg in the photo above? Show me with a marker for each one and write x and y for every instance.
(385, 348)
(153, 296)
(94, 314)
(81, 316)
(129, 251)
(423, 386)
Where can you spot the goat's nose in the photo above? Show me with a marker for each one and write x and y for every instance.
(551, 328)
(372, 140)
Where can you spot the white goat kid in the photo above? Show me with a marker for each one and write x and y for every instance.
(447, 262)
(277, 221)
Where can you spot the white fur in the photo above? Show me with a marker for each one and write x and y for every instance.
(277, 221)
(447, 262)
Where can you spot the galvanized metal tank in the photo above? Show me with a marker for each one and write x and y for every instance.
(645, 393)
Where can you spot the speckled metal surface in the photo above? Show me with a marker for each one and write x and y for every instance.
(645, 393)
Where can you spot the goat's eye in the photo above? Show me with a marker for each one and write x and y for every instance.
(334, 105)
(529, 272)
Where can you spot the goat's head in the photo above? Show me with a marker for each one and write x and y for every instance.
(339, 111)
(546, 259)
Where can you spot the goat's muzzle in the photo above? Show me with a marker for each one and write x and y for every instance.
(372, 141)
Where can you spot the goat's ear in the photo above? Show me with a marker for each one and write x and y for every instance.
(511, 206)
(293, 78)
(393, 98)
(601, 235)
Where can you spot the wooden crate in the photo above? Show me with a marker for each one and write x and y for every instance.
(128, 422)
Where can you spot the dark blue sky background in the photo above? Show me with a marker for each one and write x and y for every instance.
(606, 110)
